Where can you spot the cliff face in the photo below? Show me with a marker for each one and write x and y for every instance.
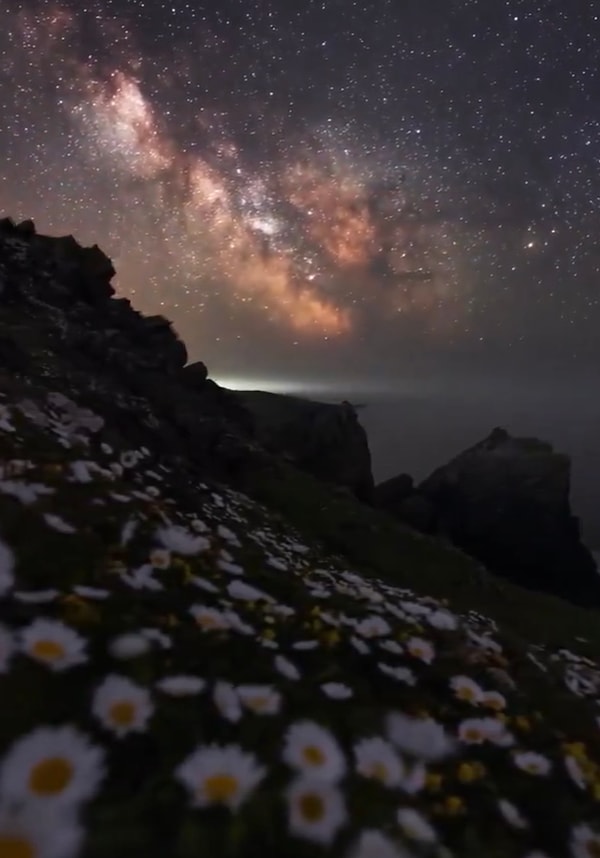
(325, 440)
(186, 671)
(505, 501)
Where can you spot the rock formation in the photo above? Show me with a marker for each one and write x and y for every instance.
(324, 439)
(504, 501)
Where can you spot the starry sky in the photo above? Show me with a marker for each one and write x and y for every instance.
(323, 190)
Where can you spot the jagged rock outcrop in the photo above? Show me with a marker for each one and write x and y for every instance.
(505, 501)
(60, 320)
(324, 439)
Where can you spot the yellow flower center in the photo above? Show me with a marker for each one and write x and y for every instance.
(15, 847)
(219, 788)
(379, 772)
(465, 692)
(48, 650)
(122, 713)
(50, 776)
(311, 807)
(473, 734)
(494, 703)
(258, 703)
(313, 755)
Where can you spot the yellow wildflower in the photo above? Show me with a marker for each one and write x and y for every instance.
(454, 805)
(331, 637)
(522, 723)
(433, 781)
(469, 772)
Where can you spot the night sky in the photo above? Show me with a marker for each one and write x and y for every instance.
(380, 193)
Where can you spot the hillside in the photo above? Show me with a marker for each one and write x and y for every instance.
(206, 651)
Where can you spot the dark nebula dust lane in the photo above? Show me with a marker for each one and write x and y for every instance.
(318, 187)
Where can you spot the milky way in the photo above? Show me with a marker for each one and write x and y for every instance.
(319, 184)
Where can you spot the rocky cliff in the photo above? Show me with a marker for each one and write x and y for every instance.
(324, 439)
(205, 650)
(505, 501)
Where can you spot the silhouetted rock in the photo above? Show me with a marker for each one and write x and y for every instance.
(195, 374)
(390, 494)
(325, 440)
(505, 501)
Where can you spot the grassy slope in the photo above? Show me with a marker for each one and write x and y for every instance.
(141, 809)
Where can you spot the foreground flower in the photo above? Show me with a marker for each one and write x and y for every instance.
(52, 643)
(423, 738)
(57, 765)
(130, 645)
(223, 775)
(227, 701)
(373, 627)
(122, 706)
(512, 814)
(261, 699)
(415, 826)
(337, 690)
(27, 833)
(475, 731)
(421, 649)
(374, 844)
(316, 810)
(584, 842)
(534, 764)
(377, 759)
(314, 751)
(466, 689)
(181, 686)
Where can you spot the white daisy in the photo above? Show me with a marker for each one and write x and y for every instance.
(314, 751)
(210, 619)
(316, 810)
(141, 578)
(512, 814)
(534, 764)
(160, 558)
(56, 765)
(130, 645)
(52, 643)
(374, 844)
(415, 826)
(181, 686)
(58, 523)
(27, 833)
(91, 592)
(261, 699)
(181, 541)
(493, 700)
(392, 646)
(360, 645)
(575, 771)
(423, 738)
(7, 568)
(203, 584)
(421, 649)
(373, 626)
(238, 589)
(402, 674)
(442, 620)
(219, 775)
(35, 597)
(337, 690)
(475, 731)
(226, 700)
(466, 689)
(584, 842)
(306, 645)
(377, 759)
(286, 668)
(122, 706)
(7, 648)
